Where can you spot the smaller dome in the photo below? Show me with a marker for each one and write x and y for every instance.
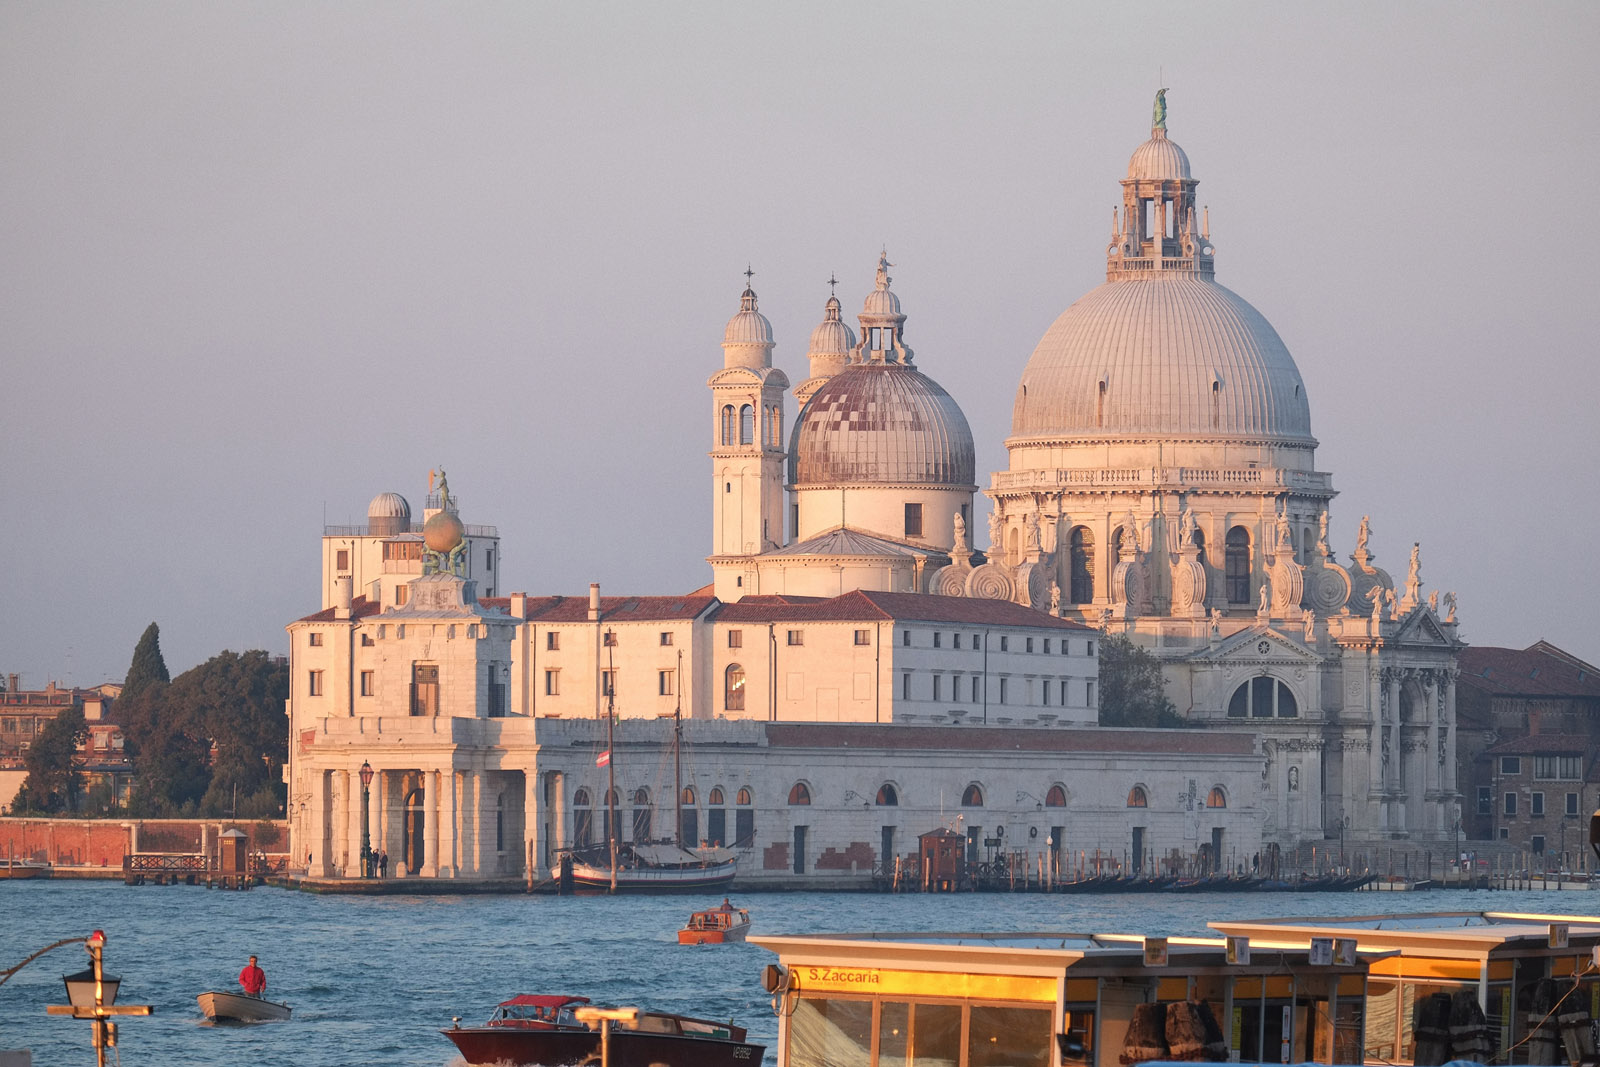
(832, 337)
(1158, 159)
(881, 424)
(749, 326)
(443, 532)
(881, 303)
(388, 514)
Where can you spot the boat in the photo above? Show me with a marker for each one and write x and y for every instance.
(716, 926)
(224, 1007)
(24, 869)
(617, 866)
(545, 1031)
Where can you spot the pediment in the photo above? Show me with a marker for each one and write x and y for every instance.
(1422, 627)
(1258, 644)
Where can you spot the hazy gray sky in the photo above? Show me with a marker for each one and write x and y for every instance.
(263, 261)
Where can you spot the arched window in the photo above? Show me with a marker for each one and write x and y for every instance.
(688, 796)
(1116, 541)
(580, 799)
(611, 798)
(1100, 406)
(887, 797)
(727, 424)
(1217, 798)
(744, 820)
(1080, 573)
(733, 695)
(582, 819)
(1263, 697)
(1307, 546)
(799, 794)
(775, 427)
(1138, 798)
(747, 425)
(1238, 566)
(972, 798)
(742, 798)
(1200, 543)
(1216, 404)
(1055, 797)
(715, 796)
(641, 815)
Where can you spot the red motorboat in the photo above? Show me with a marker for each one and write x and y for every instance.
(544, 1031)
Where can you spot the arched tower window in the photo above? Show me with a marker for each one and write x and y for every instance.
(973, 797)
(1216, 404)
(1080, 566)
(688, 796)
(715, 796)
(747, 425)
(742, 798)
(1238, 566)
(1138, 798)
(727, 424)
(799, 794)
(887, 797)
(733, 695)
(1217, 798)
(1055, 797)
(1100, 406)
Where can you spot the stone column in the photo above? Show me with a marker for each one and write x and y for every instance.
(430, 824)
(318, 840)
(1430, 689)
(449, 824)
(532, 862)
(352, 867)
(380, 811)
(471, 817)
(1450, 725)
(1396, 781)
(1375, 768)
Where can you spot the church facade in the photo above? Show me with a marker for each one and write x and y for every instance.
(858, 672)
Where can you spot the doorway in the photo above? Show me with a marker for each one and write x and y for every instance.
(412, 847)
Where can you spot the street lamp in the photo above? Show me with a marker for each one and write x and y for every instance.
(366, 839)
(605, 1017)
(91, 995)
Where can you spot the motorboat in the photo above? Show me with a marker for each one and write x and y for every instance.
(654, 868)
(14, 868)
(716, 926)
(544, 1031)
(224, 1007)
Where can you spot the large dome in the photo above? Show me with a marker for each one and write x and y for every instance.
(1177, 355)
(881, 424)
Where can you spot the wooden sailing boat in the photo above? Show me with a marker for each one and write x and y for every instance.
(645, 866)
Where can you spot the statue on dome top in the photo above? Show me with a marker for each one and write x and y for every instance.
(1362, 534)
(883, 269)
(1416, 562)
(1158, 118)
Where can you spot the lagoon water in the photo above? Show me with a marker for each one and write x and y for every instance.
(373, 979)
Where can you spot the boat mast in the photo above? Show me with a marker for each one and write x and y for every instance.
(611, 755)
(677, 755)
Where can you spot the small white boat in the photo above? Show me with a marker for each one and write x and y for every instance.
(241, 1008)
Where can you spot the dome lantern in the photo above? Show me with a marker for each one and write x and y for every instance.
(882, 324)
(747, 342)
(1157, 232)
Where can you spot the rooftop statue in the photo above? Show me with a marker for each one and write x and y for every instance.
(883, 269)
(1158, 119)
(1363, 534)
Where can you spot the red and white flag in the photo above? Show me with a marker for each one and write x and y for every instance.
(604, 759)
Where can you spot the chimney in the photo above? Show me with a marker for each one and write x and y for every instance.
(14, 682)
(341, 596)
(594, 601)
(519, 605)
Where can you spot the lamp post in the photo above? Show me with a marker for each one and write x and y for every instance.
(605, 1017)
(366, 839)
(1344, 824)
(91, 994)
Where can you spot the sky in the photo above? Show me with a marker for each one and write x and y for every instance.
(261, 262)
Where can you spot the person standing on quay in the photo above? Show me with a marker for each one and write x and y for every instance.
(253, 978)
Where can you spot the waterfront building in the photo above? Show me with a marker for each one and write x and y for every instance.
(24, 713)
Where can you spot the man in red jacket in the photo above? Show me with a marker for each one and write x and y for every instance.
(253, 978)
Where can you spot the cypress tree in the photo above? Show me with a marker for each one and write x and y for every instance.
(148, 667)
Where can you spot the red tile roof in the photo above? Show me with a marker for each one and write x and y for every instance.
(1542, 744)
(862, 605)
(360, 608)
(567, 609)
(1541, 669)
(1001, 738)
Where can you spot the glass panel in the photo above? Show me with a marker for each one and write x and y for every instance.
(830, 1033)
(894, 1033)
(935, 1035)
(1008, 1037)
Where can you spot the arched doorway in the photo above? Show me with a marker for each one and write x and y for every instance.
(412, 847)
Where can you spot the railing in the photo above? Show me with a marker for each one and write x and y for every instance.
(366, 530)
(1118, 264)
(1161, 476)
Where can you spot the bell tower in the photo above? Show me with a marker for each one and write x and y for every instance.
(747, 451)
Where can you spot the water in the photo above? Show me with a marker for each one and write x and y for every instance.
(373, 979)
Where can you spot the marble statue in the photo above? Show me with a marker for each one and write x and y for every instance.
(1375, 594)
(1158, 116)
(1294, 779)
(1187, 525)
(997, 525)
(1433, 601)
(1216, 622)
(1322, 534)
(960, 533)
(1416, 562)
(1363, 533)
(1055, 598)
(1033, 532)
(1450, 607)
(1264, 602)
(1311, 627)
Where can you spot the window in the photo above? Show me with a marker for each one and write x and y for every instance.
(1065, 682)
(733, 688)
(610, 639)
(1005, 644)
(552, 640)
(956, 640)
(1537, 844)
(799, 794)
(863, 637)
(1002, 690)
(1536, 805)
(973, 797)
(343, 558)
(1510, 764)
(938, 639)
(402, 596)
(1565, 768)
(315, 639)
(1088, 694)
(552, 683)
(727, 424)
(1055, 797)
(1138, 798)
(975, 642)
(402, 550)
(368, 683)
(905, 686)
(936, 687)
(1263, 697)
(913, 520)
(1047, 646)
(1510, 804)
(608, 683)
(1080, 565)
(976, 691)
(496, 693)
(1217, 798)
(424, 689)
(797, 637)
(887, 797)
(1045, 694)
(1572, 803)
(314, 684)
(1029, 646)
(747, 425)
(488, 560)
(666, 639)
(735, 638)
(1236, 565)
(905, 638)
(665, 683)
(366, 640)
(1089, 649)
(1485, 801)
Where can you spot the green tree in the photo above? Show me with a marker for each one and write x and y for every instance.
(1132, 692)
(54, 782)
(147, 668)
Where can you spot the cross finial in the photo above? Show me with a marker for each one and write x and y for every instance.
(748, 274)
(833, 285)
